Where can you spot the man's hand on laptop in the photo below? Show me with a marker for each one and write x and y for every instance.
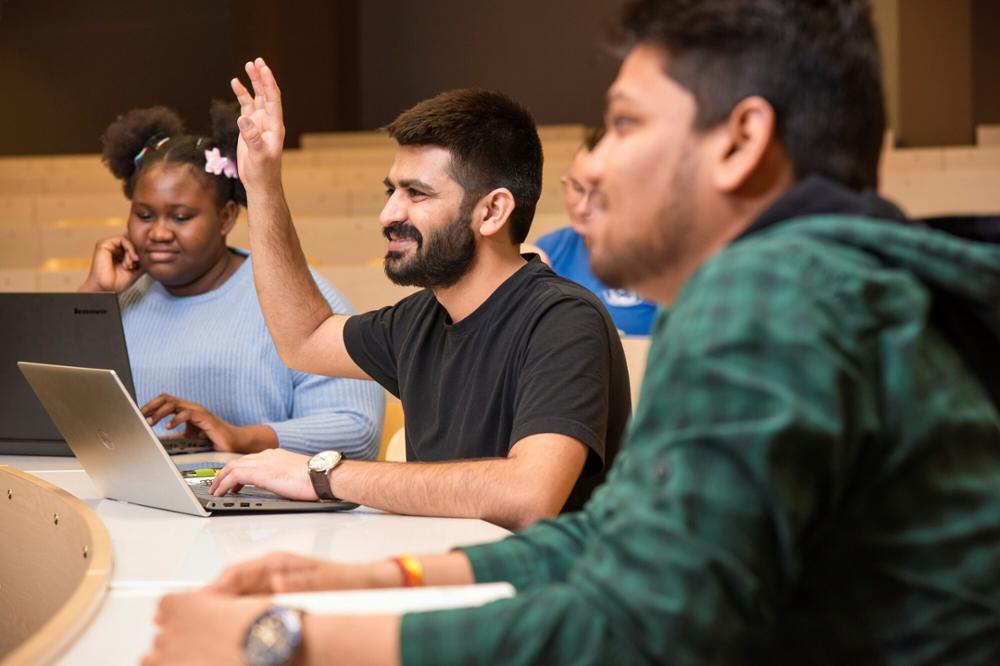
(277, 470)
(200, 422)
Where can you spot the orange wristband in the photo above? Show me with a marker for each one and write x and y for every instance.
(413, 571)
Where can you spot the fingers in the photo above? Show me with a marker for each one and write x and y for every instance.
(183, 416)
(227, 479)
(157, 408)
(254, 577)
(299, 580)
(131, 255)
(281, 472)
(249, 130)
(156, 403)
(266, 94)
(114, 266)
(119, 249)
(243, 96)
(162, 406)
(272, 94)
(184, 411)
(253, 71)
(246, 578)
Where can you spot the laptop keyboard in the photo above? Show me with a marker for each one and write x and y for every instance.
(177, 445)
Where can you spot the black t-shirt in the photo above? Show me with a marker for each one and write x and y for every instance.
(540, 355)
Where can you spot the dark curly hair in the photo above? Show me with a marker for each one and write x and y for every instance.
(137, 140)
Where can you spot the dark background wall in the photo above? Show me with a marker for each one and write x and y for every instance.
(552, 56)
(67, 68)
(986, 61)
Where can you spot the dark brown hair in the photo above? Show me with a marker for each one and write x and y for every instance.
(815, 61)
(493, 143)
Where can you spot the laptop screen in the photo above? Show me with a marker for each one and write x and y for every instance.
(81, 329)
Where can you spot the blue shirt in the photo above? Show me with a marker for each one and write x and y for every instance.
(214, 349)
(570, 258)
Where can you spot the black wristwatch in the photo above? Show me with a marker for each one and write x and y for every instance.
(274, 637)
(319, 470)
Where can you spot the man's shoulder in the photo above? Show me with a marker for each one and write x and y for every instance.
(804, 277)
(545, 289)
(408, 310)
(801, 255)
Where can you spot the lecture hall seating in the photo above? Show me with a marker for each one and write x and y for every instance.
(53, 209)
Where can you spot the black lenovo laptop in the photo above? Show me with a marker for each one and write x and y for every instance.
(81, 329)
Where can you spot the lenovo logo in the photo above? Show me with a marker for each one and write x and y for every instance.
(85, 311)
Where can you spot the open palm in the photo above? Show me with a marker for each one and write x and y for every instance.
(262, 129)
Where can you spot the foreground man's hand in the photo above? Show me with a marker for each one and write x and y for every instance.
(279, 573)
(202, 628)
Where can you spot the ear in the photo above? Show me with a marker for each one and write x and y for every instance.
(228, 215)
(742, 143)
(493, 211)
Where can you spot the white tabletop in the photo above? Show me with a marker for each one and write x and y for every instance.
(158, 551)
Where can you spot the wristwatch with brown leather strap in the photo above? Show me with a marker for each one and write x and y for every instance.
(319, 472)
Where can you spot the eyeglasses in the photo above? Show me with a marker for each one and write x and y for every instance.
(573, 190)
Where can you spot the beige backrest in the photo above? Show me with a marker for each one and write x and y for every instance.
(55, 567)
(395, 450)
(348, 140)
(392, 427)
(18, 279)
(365, 287)
(926, 193)
(636, 349)
(988, 135)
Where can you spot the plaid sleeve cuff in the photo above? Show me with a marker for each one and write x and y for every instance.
(498, 562)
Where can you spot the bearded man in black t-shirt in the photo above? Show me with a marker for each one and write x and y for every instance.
(513, 381)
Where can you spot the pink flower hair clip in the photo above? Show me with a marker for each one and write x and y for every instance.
(219, 164)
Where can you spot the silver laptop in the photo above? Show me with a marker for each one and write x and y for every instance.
(80, 329)
(122, 455)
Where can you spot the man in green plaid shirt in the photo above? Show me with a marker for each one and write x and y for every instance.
(812, 475)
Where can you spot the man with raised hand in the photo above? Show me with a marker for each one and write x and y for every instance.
(497, 361)
(813, 472)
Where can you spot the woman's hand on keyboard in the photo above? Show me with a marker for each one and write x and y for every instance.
(200, 422)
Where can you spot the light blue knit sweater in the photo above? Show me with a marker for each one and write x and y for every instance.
(215, 350)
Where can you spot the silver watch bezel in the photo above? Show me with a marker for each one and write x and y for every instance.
(259, 646)
(324, 461)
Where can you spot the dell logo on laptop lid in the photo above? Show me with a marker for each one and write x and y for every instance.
(105, 439)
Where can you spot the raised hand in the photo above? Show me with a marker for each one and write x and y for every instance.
(262, 129)
(115, 266)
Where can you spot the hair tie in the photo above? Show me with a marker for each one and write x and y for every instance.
(219, 164)
(145, 149)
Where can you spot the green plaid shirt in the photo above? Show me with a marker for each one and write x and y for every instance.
(812, 476)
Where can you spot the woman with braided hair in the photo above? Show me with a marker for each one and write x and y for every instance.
(200, 352)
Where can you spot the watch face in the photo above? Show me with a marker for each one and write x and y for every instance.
(324, 461)
(273, 638)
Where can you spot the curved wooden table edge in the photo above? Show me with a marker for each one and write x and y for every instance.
(56, 635)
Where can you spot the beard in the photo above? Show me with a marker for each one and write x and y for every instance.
(634, 260)
(447, 257)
